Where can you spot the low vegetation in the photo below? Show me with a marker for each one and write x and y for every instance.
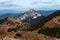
(54, 32)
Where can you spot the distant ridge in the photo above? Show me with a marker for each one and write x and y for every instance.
(8, 15)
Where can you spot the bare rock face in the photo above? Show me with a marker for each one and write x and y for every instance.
(31, 16)
(57, 20)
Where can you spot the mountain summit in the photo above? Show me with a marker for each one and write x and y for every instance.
(30, 16)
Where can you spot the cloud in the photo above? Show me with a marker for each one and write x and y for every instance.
(27, 4)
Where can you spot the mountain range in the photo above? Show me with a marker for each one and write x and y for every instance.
(30, 25)
(8, 15)
(31, 16)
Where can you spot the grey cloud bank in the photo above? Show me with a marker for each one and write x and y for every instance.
(27, 4)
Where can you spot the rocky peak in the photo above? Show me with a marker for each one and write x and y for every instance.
(31, 10)
(28, 16)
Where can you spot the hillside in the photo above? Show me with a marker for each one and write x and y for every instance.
(8, 22)
(43, 21)
(11, 29)
(52, 26)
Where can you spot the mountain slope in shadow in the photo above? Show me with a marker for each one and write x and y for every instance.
(43, 21)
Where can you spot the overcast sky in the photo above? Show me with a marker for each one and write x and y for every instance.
(28, 4)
